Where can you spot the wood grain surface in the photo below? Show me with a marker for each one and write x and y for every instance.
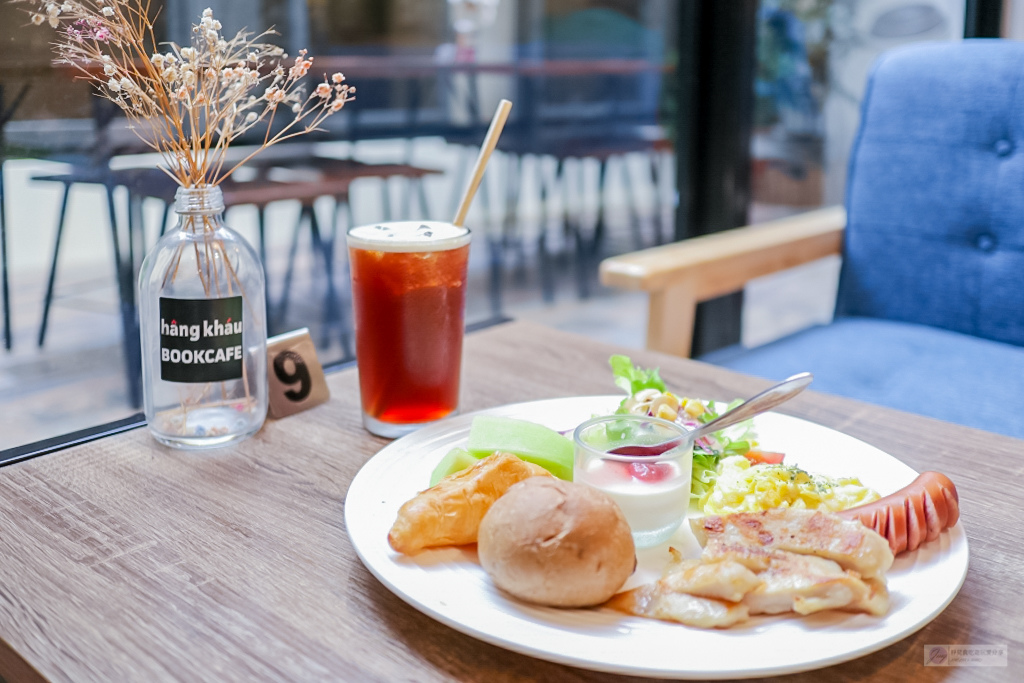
(124, 560)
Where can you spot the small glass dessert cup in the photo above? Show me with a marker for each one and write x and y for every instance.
(644, 464)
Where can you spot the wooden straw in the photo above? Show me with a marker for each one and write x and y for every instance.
(493, 133)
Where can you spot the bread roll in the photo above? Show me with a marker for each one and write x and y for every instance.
(556, 543)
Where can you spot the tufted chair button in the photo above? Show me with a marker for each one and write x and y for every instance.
(985, 242)
(1003, 147)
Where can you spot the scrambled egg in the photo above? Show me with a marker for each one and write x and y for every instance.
(742, 487)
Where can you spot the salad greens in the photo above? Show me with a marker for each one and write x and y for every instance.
(708, 454)
(632, 378)
(709, 451)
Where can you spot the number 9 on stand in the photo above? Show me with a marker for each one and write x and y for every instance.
(296, 379)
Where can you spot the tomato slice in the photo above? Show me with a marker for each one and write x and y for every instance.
(757, 456)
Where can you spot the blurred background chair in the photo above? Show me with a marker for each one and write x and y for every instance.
(93, 168)
(929, 316)
(603, 112)
(589, 88)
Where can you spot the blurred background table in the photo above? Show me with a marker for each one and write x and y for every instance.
(123, 560)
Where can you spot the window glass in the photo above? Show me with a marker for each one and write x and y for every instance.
(813, 61)
(585, 169)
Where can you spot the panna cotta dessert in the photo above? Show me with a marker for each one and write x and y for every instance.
(644, 464)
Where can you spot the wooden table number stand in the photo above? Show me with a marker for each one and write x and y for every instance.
(295, 377)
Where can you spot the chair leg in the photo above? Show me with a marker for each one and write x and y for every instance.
(261, 226)
(6, 303)
(385, 198)
(588, 251)
(410, 198)
(408, 189)
(496, 254)
(461, 172)
(546, 259)
(421, 191)
(163, 222)
(600, 228)
(583, 257)
(547, 276)
(345, 301)
(572, 235)
(332, 306)
(349, 213)
(655, 162)
(559, 253)
(136, 227)
(262, 246)
(511, 237)
(119, 270)
(286, 286)
(580, 243)
(130, 338)
(632, 213)
(48, 299)
(574, 223)
(498, 244)
(132, 353)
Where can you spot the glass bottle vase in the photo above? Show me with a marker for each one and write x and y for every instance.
(203, 326)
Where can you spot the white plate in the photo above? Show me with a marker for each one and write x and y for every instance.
(449, 584)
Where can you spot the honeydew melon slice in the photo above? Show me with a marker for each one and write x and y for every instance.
(457, 460)
(530, 441)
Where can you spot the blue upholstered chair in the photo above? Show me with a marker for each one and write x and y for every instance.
(930, 310)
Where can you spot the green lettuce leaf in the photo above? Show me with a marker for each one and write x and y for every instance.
(705, 473)
(632, 378)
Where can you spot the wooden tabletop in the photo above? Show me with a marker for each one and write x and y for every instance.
(124, 560)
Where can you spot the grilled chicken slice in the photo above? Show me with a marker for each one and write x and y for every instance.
(756, 559)
(782, 560)
(806, 532)
(726, 580)
(656, 601)
(806, 584)
(877, 601)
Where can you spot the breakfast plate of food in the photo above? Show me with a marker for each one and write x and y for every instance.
(802, 548)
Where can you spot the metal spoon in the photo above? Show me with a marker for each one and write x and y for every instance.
(755, 405)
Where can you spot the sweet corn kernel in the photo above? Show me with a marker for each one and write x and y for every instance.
(694, 408)
(667, 413)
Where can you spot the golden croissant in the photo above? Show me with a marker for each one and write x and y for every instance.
(450, 512)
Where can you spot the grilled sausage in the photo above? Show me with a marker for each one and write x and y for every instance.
(914, 514)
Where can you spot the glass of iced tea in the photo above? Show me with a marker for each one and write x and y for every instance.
(409, 298)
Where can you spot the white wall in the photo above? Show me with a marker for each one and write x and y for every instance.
(863, 30)
(1013, 19)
